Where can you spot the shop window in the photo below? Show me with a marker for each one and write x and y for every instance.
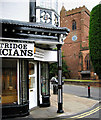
(23, 81)
(73, 25)
(44, 79)
(9, 81)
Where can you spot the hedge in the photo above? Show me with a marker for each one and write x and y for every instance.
(95, 38)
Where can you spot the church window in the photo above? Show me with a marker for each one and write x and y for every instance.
(73, 25)
(87, 62)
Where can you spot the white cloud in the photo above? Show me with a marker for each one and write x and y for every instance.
(72, 4)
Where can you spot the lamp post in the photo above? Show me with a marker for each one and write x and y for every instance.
(60, 96)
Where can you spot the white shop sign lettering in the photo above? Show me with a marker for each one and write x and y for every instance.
(18, 50)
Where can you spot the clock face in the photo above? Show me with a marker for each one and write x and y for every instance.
(45, 17)
(74, 38)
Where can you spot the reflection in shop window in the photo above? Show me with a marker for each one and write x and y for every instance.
(44, 79)
(9, 81)
(31, 68)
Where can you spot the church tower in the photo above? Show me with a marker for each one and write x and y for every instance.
(76, 45)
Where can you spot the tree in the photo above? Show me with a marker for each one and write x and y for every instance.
(95, 39)
(54, 69)
(65, 71)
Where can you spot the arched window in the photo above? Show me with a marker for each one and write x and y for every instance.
(87, 62)
(73, 25)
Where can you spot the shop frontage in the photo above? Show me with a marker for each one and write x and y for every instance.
(26, 50)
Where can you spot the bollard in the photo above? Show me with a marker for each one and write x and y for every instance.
(88, 91)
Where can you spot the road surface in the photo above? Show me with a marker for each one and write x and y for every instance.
(82, 91)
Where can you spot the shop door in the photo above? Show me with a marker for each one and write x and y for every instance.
(32, 85)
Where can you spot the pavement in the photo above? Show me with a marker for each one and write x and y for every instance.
(72, 104)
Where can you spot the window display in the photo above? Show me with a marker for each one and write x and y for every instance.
(9, 81)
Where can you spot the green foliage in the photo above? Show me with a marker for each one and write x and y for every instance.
(95, 38)
(65, 71)
(54, 69)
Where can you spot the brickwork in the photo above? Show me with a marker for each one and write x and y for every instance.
(76, 51)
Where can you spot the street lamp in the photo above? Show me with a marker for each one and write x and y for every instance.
(60, 96)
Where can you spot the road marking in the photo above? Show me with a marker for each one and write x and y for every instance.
(87, 113)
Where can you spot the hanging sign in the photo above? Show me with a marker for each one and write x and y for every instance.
(15, 49)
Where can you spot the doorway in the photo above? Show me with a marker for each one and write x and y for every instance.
(32, 84)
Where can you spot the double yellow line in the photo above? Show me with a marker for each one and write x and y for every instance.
(87, 113)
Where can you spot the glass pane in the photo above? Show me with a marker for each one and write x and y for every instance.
(31, 69)
(31, 82)
(47, 71)
(47, 87)
(9, 81)
(44, 79)
(43, 87)
(24, 79)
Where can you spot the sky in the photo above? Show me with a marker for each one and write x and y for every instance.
(72, 4)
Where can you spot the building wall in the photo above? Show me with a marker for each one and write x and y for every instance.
(85, 17)
(47, 12)
(76, 51)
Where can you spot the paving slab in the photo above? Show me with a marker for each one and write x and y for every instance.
(72, 104)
